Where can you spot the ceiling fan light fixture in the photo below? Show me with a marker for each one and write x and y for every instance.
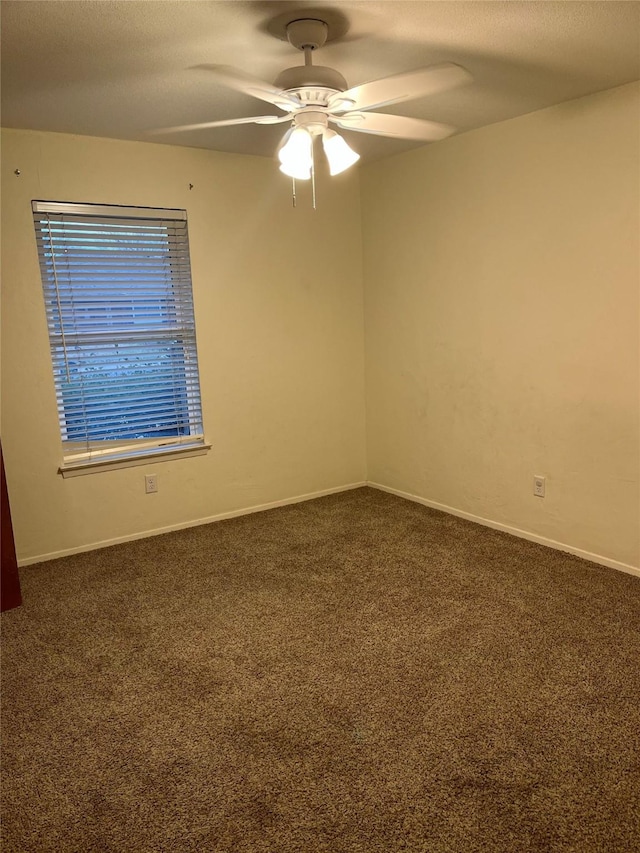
(339, 154)
(296, 155)
(300, 174)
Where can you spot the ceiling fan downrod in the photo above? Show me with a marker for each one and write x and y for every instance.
(312, 84)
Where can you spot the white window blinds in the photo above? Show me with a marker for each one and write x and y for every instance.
(119, 305)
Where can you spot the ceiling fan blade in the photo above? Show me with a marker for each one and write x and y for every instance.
(384, 124)
(401, 87)
(224, 123)
(242, 82)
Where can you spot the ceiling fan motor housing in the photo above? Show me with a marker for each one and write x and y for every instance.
(313, 84)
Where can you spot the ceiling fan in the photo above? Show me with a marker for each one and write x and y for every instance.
(314, 97)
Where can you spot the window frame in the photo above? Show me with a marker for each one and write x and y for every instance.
(168, 328)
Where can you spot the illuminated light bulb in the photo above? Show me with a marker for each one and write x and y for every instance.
(296, 155)
(339, 154)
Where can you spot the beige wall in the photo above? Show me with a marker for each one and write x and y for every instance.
(502, 278)
(278, 299)
(501, 315)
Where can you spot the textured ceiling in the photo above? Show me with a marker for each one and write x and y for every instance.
(118, 68)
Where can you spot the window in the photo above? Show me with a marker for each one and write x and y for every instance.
(119, 305)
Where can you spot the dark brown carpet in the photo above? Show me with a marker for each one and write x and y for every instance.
(356, 673)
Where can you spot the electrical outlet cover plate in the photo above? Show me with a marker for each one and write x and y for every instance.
(538, 486)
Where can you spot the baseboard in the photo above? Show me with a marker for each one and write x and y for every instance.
(105, 543)
(514, 531)
(486, 522)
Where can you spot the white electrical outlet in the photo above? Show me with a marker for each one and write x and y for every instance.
(538, 486)
(151, 483)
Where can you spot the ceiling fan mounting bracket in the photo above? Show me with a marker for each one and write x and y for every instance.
(336, 22)
(307, 33)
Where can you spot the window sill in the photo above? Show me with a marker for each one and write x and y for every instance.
(94, 466)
